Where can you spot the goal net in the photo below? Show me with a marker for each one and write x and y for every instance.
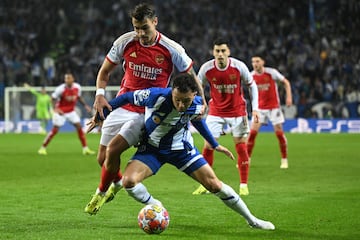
(20, 114)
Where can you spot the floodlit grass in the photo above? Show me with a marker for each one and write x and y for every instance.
(318, 197)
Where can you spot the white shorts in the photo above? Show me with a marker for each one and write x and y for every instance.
(126, 123)
(239, 125)
(59, 120)
(275, 116)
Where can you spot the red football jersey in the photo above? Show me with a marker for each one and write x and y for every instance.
(147, 66)
(267, 87)
(226, 93)
(67, 97)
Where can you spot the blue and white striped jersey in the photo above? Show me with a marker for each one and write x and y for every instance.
(165, 127)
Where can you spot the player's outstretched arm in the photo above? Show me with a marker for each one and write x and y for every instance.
(102, 79)
(201, 91)
(225, 151)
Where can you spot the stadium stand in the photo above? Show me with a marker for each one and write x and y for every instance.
(313, 43)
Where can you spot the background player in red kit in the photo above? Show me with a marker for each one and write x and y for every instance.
(148, 59)
(269, 104)
(227, 105)
(65, 98)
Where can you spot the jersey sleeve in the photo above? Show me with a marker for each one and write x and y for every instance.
(34, 92)
(117, 50)
(143, 97)
(58, 91)
(78, 86)
(203, 129)
(179, 57)
(201, 74)
(245, 73)
(276, 75)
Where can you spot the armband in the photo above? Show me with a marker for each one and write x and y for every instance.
(100, 91)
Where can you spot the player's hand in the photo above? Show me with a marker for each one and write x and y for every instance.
(99, 103)
(92, 123)
(255, 116)
(288, 102)
(225, 150)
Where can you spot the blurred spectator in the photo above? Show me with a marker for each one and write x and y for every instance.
(77, 33)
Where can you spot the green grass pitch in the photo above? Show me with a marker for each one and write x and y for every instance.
(318, 197)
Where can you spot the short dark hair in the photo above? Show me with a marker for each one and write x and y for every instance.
(143, 11)
(220, 41)
(260, 55)
(185, 82)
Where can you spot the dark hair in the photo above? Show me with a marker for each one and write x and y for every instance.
(143, 11)
(185, 82)
(220, 41)
(260, 55)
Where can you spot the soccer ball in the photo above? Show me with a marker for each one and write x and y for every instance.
(153, 219)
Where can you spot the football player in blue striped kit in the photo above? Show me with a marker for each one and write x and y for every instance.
(167, 139)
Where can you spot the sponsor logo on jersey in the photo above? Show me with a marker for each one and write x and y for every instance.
(263, 87)
(133, 54)
(145, 72)
(225, 88)
(159, 59)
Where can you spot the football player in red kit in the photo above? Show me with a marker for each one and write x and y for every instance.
(65, 98)
(227, 106)
(266, 79)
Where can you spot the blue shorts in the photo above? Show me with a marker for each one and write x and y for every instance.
(185, 161)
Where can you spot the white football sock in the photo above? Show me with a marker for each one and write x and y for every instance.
(141, 194)
(233, 201)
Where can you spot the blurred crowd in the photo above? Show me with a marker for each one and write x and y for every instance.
(314, 43)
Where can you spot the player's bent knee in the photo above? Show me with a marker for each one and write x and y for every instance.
(128, 182)
(101, 156)
(214, 185)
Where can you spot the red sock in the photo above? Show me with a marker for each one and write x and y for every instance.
(282, 143)
(251, 141)
(48, 138)
(243, 162)
(81, 137)
(208, 155)
(118, 177)
(106, 179)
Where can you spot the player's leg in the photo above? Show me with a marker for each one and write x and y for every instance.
(206, 176)
(110, 171)
(42, 115)
(117, 182)
(240, 131)
(283, 145)
(138, 170)
(120, 130)
(277, 118)
(243, 164)
(254, 129)
(74, 118)
(111, 178)
(58, 121)
(215, 125)
(208, 154)
(128, 135)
